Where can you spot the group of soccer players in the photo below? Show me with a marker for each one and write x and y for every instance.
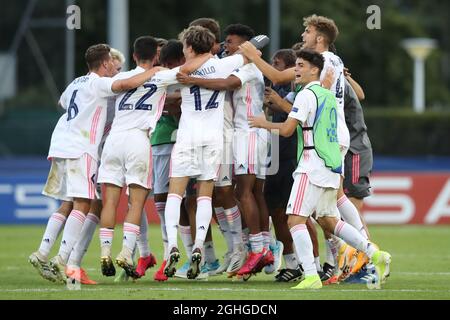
(190, 124)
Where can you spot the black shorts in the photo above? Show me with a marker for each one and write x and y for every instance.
(277, 188)
(357, 172)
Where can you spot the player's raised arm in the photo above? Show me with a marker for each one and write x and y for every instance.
(195, 63)
(355, 85)
(230, 83)
(285, 129)
(277, 77)
(135, 81)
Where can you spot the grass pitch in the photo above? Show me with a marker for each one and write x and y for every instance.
(420, 270)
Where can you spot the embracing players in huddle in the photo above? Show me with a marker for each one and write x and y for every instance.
(221, 103)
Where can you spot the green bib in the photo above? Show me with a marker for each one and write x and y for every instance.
(163, 131)
(324, 130)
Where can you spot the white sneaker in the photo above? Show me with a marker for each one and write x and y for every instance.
(238, 258)
(277, 251)
(224, 265)
(41, 264)
(58, 267)
(125, 261)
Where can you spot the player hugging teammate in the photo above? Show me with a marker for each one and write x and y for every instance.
(218, 159)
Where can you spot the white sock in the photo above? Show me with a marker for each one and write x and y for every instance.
(256, 242)
(172, 218)
(160, 208)
(317, 263)
(87, 232)
(71, 233)
(291, 261)
(54, 226)
(210, 254)
(142, 241)
(350, 235)
(186, 238)
(304, 248)
(331, 250)
(266, 239)
(202, 220)
(350, 214)
(130, 234)
(235, 224)
(106, 239)
(224, 227)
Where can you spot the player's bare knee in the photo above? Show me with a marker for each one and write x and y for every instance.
(65, 208)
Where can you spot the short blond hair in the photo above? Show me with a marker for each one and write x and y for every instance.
(116, 54)
(325, 26)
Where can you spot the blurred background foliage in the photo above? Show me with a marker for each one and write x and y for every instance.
(375, 57)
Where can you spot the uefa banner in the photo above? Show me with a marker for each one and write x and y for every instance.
(397, 198)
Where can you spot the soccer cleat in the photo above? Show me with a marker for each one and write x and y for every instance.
(144, 263)
(159, 274)
(327, 272)
(251, 263)
(125, 261)
(170, 268)
(122, 277)
(381, 260)
(79, 275)
(310, 282)
(42, 266)
(346, 260)
(277, 251)
(361, 260)
(224, 265)
(364, 276)
(260, 41)
(238, 258)
(289, 275)
(211, 268)
(204, 273)
(58, 267)
(194, 268)
(107, 266)
(182, 272)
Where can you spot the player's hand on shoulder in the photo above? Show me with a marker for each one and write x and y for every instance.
(184, 78)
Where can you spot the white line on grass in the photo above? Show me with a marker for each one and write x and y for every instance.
(211, 289)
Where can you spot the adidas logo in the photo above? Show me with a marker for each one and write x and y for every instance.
(124, 237)
(289, 206)
(106, 242)
(202, 228)
(225, 179)
(47, 240)
(64, 242)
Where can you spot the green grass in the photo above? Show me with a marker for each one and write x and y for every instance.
(420, 270)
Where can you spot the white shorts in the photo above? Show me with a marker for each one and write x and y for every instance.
(307, 198)
(72, 178)
(250, 152)
(225, 175)
(127, 159)
(161, 164)
(200, 162)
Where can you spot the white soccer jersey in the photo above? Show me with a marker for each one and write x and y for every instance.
(334, 62)
(248, 99)
(202, 116)
(141, 108)
(304, 110)
(81, 128)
